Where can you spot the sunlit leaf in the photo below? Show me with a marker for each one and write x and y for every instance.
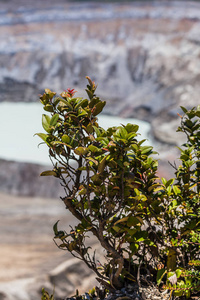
(54, 120)
(48, 107)
(43, 136)
(102, 165)
(171, 260)
(46, 123)
(121, 220)
(48, 173)
(81, 150)
(131, 128)
(50, 93)
(66, 139)
(98, 108)
(146, 149)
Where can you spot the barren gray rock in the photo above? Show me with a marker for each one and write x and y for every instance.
(144, 55)
(24, 179)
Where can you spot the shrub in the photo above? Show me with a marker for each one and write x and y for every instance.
(149, 228)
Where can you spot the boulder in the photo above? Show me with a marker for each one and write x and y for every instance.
(63, 281)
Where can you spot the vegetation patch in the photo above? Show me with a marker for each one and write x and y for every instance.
(148, 227)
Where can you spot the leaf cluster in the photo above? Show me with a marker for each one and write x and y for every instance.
(113, 190)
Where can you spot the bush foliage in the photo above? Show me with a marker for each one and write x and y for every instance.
(149, 227)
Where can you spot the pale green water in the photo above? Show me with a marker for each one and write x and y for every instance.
(20, 121)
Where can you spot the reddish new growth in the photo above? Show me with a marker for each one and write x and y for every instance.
(70, 92)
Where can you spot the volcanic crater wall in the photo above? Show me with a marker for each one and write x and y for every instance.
(145, 56)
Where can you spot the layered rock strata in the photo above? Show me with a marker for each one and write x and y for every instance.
(144, 55)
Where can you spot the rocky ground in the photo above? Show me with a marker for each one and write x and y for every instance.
(29, 259)
(26, 238)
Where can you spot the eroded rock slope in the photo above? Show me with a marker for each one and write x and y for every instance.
(144, 55)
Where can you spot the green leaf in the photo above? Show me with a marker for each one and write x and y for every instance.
(116, 228)
(54, 143)
(169, 190)
(97, 131)
(48, 173)
(43, 136)
(120, 133)
(178, 272)
(82, 103)
(169, 274)
(90, 94)
(96, 179)
(131, 128)
(171, 261)
(176, 190)
(66, 139)
(198, 114)
(164, 181)
(82, 113)
(189, 124)
(83, 191)
(121, 220)
(89, 128)
(146, 149)
(134, 247)
(50, 93)
(141, 142)
(81, 151)
(131, 136)
(132, 231)
(66, 103)
(183, 109)
(102, 165)
(174, 203)
(155, 187)
(93, 102)
(93, 160)
(160, 275)
(63, 245)
(134, 147)
(55, 228)
(46, 123)
(169, 182)
(132, 221)
(56, 101)
(99, 107)
(48, 108)
(178, 293)
(54, 120)
(93, 148)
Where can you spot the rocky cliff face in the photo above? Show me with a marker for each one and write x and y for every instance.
(23, 179)
(144, 55)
